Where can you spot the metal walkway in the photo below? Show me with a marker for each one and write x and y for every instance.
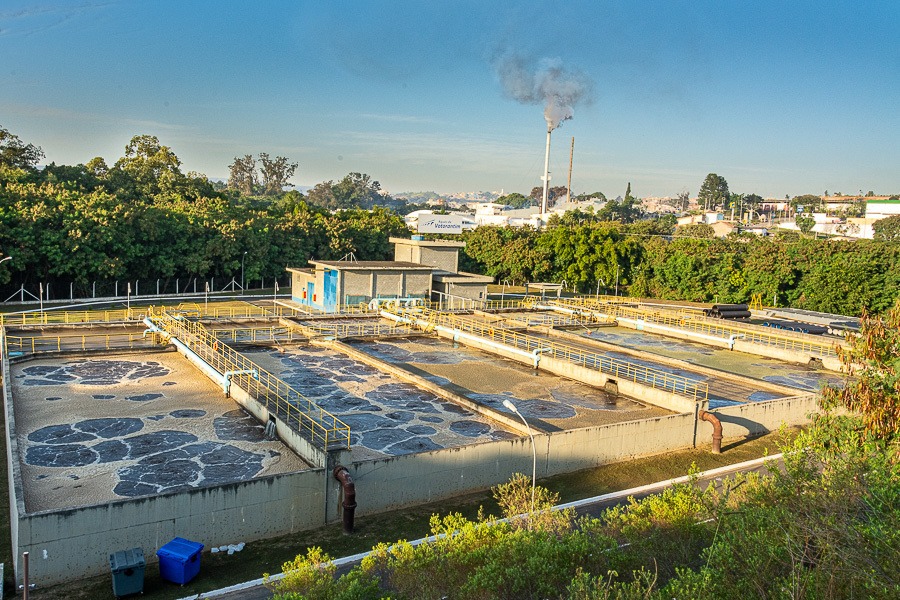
(715, 327)
(301, 414)
(651, 377)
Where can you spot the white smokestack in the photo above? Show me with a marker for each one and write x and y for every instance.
(547, 83)
(546, 171)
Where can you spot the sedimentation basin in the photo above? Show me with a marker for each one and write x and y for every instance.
(426, 417)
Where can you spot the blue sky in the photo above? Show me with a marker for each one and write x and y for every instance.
(779, 98)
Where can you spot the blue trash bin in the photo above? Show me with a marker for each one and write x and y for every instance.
(179, 560)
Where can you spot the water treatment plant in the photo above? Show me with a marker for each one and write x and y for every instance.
(244, 421)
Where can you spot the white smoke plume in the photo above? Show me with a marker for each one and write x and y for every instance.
(547, 83)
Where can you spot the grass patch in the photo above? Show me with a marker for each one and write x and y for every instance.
(220, 570)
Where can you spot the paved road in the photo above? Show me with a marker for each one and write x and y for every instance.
(592, 506)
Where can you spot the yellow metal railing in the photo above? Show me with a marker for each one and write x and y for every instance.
(90, 341)
(54, 317)
(715, 327)
(649, 376)
(245, 335)
(296, 410)
(78, 316)
(350, 330)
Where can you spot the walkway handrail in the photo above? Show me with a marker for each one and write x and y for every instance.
(31, 344)
(321, 427)
(725, 329)
(137, 313)
(644, 375)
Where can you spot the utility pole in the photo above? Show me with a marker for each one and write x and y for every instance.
(569, 185)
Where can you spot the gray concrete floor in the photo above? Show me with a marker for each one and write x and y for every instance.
(547, 401)
(386, 416)
(102, 428)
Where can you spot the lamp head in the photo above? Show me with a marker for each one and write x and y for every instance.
(510, 406)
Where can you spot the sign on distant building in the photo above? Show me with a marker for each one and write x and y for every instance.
(440, 224)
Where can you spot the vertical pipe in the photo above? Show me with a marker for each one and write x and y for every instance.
(546, 173)
(569, 184)
(25, 575)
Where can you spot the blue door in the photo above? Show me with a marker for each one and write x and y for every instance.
(310, 292)
(330, 292)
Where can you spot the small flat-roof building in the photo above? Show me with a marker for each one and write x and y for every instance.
(422, 269)
(333, 283)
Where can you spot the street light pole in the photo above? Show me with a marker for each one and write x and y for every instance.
(510, 406)
(242, 272)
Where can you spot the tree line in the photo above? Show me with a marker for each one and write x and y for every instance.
(143, 218)
(651, 259)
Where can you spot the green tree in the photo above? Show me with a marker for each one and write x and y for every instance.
(713, 192)
(627, 211)
(16, 154)
(696, 230)
(684, 198)
(872, 365)
(810, 202)
(553, 194)
(591, 196)
(275, 173)
(805, 223)
(355, 190)
(516, 200)
(242, 174)
(887, 229)
(148, 165)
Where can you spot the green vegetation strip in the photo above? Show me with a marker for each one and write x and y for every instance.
(221, 570)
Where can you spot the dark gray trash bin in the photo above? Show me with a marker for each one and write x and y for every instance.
(127, 568)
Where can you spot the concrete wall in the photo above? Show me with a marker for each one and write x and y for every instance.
(391, 483)
(672, 362)
(404, 253)
(299, 283)
(75, 543)
(418, 284)
(446, 259)
(389, 284)
(757, 418)
(78, 541)
(354, 283)
(473, 291)
(14, 474)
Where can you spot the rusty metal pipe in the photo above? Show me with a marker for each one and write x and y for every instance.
(717, 430)
(349, 488)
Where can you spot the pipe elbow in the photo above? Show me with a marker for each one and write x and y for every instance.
(343, 475)
(717, 430)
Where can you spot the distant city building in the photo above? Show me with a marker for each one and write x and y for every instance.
(880, 208)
